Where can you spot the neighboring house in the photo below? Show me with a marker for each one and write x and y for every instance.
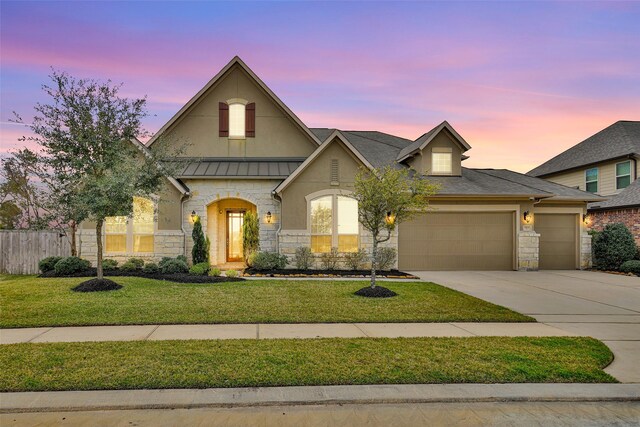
(247, 151)
(605, 164)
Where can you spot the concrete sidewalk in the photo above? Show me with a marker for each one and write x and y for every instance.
(265, 331)
(313, 395)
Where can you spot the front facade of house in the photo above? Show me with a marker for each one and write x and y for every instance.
(246, 151)
(605, 164)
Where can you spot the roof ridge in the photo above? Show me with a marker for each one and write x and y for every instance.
(375, 140)
(515, 182)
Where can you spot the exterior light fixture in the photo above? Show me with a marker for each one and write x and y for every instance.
(526, 217)
(269, 217)
(193, 216)
(390, 218)
(586, 219)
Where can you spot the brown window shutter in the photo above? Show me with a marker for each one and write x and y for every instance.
(250, 120)
(223, 115)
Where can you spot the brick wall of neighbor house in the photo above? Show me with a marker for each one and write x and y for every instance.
(629, 217)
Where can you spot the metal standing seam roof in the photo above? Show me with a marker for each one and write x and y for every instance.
(277, 168)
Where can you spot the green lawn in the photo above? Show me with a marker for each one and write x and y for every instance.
(253, 363)
(28, 301)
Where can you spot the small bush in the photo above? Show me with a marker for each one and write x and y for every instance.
(215, 272)
(303, 258)
(355, 260)
(385, 258)
(613, 246)
(181, 258)
(231, 273)
(631, 266)
(109, 264)
(48, 263)
(129, 266)
(70, 265)
(268, 261)
(173, 266)
(138, 262)
(329, 260)
(200, 269)
(151, 268)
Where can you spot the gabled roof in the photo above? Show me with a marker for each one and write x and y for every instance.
(621, 139)
(627, 198)
(335, 135)
(425, 139)
(183, 189)
(239, 62)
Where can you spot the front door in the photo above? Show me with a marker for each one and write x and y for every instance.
(234, 236)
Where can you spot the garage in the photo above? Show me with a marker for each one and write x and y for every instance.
(457, 241)
(558, 241)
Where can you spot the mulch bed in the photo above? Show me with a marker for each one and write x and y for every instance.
(393, 274)
(377, 292)
(178, 277)
(96, 285)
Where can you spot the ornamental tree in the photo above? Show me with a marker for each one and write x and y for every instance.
(200, 250)
(386, 197)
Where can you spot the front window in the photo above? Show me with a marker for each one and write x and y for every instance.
(237, 120)
(135, 234)
(441, 162)
(591, 179)
(623, 175)
(334, 223)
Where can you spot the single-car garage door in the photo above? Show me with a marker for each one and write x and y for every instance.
(558, 240)
(457, 241)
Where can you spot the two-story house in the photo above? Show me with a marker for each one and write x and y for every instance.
(605, 164)
(245, 150)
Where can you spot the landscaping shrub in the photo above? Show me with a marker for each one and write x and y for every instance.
(215, 272)
(129, 266)
(613, 246)
(250, 235)
(329, 260)
(631, 266)
(355, 260)
(151, 268)
(268, 261)
(231, 273)
(109, 264)
(173, 266)
(200, 269)
(385, 258)
(138, 262)
(303, 258)
(199, 251)
(181, 258)
(70, 265)
(48, 263)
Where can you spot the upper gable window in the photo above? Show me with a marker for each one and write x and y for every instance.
(237, 120)
(623, 175)
(441, 163)
(591, 180)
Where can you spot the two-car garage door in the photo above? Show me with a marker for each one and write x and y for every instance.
(458, 241)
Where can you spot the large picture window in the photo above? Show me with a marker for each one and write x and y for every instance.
(135, 234)
(334, 223)
(623, 175)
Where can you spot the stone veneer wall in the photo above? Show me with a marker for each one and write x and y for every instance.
(585, 250)
(629, 217)
(528, 249)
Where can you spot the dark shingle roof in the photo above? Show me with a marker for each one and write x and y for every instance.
(628, 197)
(618, 140)
(240, 168)
(479, 182)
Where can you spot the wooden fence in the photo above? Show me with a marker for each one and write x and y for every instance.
(21, 250)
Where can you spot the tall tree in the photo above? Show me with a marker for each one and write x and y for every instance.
(86, 135)
(386, 197)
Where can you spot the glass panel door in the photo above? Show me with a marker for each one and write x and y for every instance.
(234, 236)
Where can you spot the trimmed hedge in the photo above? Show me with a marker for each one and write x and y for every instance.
(613, 246)
(200, 269)
(173, 266)
(632, 266)
(70, 265)
(109, 264)
(268, 261)
(48, 263)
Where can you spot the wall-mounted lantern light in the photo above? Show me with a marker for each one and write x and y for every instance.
(390, 218)
(526, 217)
(586, 219)
(269, 217)
(193, 216)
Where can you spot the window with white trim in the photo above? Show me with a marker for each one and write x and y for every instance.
(623, 174)
(441, 163)
(334, 223)
(591, 180)
(237, 119)
(131, 235)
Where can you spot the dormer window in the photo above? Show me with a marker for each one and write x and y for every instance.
(441, 163)
(237, 119)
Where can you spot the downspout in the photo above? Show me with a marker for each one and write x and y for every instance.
(275, 196)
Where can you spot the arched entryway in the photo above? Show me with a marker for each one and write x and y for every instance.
(224, 228)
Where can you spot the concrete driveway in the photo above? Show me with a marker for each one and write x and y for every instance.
(600, 305)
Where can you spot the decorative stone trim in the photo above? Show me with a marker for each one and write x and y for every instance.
(585, 251)
(528, 250)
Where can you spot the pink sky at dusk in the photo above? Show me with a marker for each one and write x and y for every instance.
(520, 81)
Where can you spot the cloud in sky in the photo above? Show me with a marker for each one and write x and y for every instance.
(521, 81)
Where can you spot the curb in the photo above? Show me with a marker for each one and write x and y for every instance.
(311, 395)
